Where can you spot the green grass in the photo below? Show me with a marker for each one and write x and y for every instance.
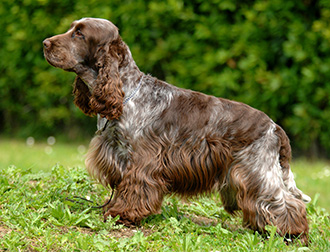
(314, 179)
(35, 215)
(40, 156)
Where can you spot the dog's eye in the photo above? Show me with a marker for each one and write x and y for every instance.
(79, 33)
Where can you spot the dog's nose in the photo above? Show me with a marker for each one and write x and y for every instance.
(47, 43)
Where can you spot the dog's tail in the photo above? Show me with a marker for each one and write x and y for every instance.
(284, 158)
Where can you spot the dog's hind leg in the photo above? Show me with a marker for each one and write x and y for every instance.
(262, 194)
(284, 158)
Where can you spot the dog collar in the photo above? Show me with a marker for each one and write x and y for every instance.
(134, 92)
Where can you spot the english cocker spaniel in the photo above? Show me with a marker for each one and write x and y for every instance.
(155, 139)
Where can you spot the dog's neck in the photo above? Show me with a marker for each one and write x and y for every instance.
(130, 73)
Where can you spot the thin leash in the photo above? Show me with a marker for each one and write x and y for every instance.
(134, 92)
(90, 201)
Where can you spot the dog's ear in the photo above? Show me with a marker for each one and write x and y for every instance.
(82, 96)
(108, 96)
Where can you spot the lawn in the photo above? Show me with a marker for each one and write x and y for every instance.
(36, 179)
(41, 155)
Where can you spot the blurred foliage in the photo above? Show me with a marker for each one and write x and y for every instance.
(271, 54)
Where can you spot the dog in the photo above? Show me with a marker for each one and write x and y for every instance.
(155, 139)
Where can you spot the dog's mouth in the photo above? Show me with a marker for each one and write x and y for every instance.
(49, 59)
(57, 61)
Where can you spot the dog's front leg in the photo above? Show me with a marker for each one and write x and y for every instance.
(137, 196)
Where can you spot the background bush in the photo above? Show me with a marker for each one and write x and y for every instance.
(270, 54)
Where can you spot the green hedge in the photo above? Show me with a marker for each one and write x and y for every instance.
(272, 54)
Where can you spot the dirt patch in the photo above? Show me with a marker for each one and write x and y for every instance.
(203, 221)
(129, 232)
(234, 224)
(3, 230)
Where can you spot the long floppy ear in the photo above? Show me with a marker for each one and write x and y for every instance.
(82, 96)
(108, 96)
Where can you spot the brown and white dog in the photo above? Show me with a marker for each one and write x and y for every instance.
(155, 139)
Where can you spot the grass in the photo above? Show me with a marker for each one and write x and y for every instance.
(35, 215)
(42, 155)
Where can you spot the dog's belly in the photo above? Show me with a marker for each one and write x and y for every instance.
(190, 170)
